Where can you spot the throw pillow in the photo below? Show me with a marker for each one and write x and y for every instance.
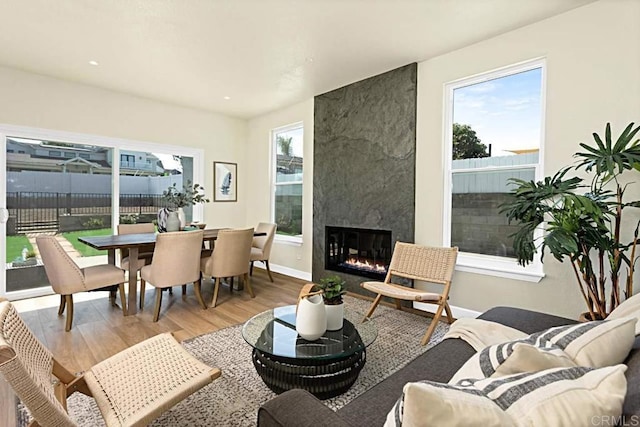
(629, 308)
(592, 344)
(558, 397)
(513, 358)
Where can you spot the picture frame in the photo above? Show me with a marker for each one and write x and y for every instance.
(225, 182)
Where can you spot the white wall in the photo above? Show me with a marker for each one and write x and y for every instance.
(593, 66)
(292, 256)
(593, 76)
(41, 102)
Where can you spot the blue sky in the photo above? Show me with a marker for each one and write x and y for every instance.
(504, 112)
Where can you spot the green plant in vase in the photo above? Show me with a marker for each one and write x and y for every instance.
(333, 288)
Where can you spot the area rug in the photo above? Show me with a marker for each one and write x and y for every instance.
(234, 398)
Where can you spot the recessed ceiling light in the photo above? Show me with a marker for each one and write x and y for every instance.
(309, 59)
(227, 98)
(93, 63)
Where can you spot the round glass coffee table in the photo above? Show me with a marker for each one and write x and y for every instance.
(326, 367)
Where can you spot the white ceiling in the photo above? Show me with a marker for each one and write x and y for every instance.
(263, 54)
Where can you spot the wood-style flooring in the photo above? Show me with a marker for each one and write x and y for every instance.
(100, 331)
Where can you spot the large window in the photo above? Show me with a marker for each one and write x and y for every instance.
(287, 182)
(494, 133)
(63, 184)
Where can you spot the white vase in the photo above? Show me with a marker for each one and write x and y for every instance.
(335, 316)
(182, 218)
(173, 222)
(311, 319)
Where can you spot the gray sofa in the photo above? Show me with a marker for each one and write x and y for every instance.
(300, 408)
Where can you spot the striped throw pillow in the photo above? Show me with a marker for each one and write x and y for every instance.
(591, 344)
(558, 397)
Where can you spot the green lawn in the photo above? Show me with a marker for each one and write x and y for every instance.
(15, 244)
(85, 250)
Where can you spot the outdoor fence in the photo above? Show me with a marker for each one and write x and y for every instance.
(40, 211)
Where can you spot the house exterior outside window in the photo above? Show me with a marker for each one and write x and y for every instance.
(493, 132)
(287, 188)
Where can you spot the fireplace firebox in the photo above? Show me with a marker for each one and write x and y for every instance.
(359, 251)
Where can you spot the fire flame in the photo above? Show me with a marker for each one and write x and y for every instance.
(366, 265)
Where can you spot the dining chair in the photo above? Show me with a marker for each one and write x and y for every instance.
(131, 388)
(422, 263)
(230, 258)
(176, 261)
(261, 246)
(145, 252)
(66, 278)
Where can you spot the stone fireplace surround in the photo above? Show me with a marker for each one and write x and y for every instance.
(364, 161)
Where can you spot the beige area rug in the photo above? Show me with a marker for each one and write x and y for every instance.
(234, 398)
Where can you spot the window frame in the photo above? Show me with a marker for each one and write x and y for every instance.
(116, 145)
(292, 240)
(480, 263)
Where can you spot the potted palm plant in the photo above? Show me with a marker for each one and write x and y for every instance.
(333, 288)
(583, 218)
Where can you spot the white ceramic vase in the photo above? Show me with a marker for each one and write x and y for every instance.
(335, 316)
(173, 222)
(311, 319)
(182, 218)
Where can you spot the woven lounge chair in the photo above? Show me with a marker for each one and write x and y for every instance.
(415, 262)
(131, 388)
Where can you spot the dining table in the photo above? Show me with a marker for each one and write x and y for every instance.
(133, 242)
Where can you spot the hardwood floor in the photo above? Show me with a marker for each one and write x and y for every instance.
(99, 330)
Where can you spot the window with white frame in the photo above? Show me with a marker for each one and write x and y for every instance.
(494, 128)
(287, 181)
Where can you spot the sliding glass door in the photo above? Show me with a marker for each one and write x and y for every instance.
(62, 184)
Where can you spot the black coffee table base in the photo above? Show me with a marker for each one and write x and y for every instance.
(324, 378)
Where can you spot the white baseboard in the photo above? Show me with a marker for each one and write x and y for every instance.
(303, 275)
(457, 312)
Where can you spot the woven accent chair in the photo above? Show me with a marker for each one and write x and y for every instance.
(144, 255)
(131, 388)
(176, 261)
(427, 264)
(261, 246)
(230, 258)
(66, 278)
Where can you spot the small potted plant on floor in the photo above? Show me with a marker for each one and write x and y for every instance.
(333, 288)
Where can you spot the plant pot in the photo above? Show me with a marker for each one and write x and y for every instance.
(182, 218)
(335, 316)
(311, 319)
(173, 222)
(586, 317)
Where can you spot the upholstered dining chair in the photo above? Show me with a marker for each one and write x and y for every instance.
(145, 252)
(66, 278)
(131, 388)
(261, 246)
(176, 261)
(422, 263)
(230, 258)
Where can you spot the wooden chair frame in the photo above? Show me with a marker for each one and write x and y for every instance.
(422, 263)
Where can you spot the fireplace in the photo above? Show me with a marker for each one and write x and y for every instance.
(358, 251)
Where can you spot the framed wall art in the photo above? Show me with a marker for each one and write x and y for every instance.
(225, 182)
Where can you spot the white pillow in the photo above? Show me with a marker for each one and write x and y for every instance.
(558, 397)
(594, 344)
(591, 344)
(629, 308)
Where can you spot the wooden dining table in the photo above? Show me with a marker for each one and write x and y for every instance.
(133, 242)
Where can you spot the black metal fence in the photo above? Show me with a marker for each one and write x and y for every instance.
(40, 211)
